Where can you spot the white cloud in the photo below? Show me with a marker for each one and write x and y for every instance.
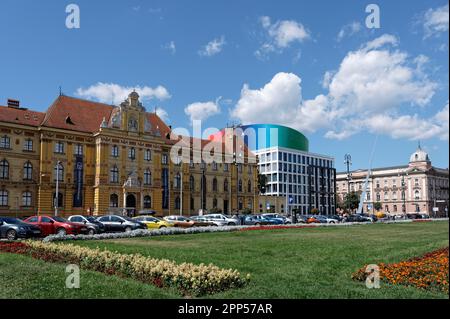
(115, 93)
(435, 21)
(162, 114)
(213, 47)
(281, 35)
(202, 110)
(171, 47)
(348, 30)
(371, 87)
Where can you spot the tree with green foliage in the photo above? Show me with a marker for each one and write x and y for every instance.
(262, 183)
(351, 201)
(377, 206)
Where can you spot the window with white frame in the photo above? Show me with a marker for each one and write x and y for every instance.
(114, 174)
(4, 169)
(3, 198)
(115, 151)
(132, 153)
(26, 199)
(5, 142)
(59, 147)
(148, 155)
(28, 171)
(28, 145)
(78, 149)
(147, 177)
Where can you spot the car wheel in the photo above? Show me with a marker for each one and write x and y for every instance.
(127, 229)
(258, 224)
(11, 234)
(162, 226)
(61, 232)
(91, 232)
(231, 224)
(332, 222)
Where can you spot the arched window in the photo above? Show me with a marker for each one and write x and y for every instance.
(240, 186)
(3, 198)
(214, 202)
(59, 172)
(177, 202)
(27, 171)
(192, 203)
(132, 153)
(378, 197)
(250, 203)
(249, 186)
(214, 185)
(225, 185)
(60, 200)
(147, 202)
(147, 177)
(113, 200)
(191, 183)
(395, 208)
(26, 199)
(114, 178)
(177, 181)
(4, 169)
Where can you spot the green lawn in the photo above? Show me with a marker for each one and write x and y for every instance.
(295, 263)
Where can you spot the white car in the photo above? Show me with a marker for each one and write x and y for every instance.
(221, 220)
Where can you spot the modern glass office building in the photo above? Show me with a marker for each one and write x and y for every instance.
(307, 180)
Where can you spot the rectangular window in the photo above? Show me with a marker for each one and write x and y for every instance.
(5, 142)
(78, 149)
(148, 155)
(59, 147)
(164, 159)
(28, 145)
(132, 153)
(115, 151)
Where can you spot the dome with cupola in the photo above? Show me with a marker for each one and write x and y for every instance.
(419, 156)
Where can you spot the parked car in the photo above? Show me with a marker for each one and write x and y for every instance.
(92, 224)
(357, 218)
(222, 220)
(272, 221)
(184, 222)
(115, 223)
(153, 222)
(283, 219)
(202, 221)
(254, 220)
(326, 219)
(147, 212)
(339, 218)
(50, 225)
(313, 220)
(13, 228)
(302, 219)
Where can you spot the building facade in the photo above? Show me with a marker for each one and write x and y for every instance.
(94, 158)
(414, 188)
(305, 180)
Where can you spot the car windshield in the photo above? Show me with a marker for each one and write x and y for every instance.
(59, 219)
(9, 220)
(91, 219)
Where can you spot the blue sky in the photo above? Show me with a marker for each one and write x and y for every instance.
(311, 65)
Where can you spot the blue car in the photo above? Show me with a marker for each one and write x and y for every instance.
(271, 221)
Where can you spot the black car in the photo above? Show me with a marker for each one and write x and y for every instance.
(357, 219)
(13, 228)
(114, 223)
(92, 224)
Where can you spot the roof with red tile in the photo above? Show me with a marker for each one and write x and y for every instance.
(20, 116)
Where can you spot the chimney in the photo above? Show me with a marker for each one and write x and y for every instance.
(13, 103)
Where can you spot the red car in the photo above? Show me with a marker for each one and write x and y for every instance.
(50, 225)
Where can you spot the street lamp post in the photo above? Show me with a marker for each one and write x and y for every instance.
(58, 163)
(404, 173)
(348, 162)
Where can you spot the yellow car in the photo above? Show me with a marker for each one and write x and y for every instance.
(153, 222)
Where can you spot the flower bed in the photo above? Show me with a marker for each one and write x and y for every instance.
(190, 279)
(429, 271)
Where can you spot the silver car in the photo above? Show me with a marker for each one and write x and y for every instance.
(221, 220)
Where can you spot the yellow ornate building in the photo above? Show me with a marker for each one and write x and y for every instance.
(105, 158)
